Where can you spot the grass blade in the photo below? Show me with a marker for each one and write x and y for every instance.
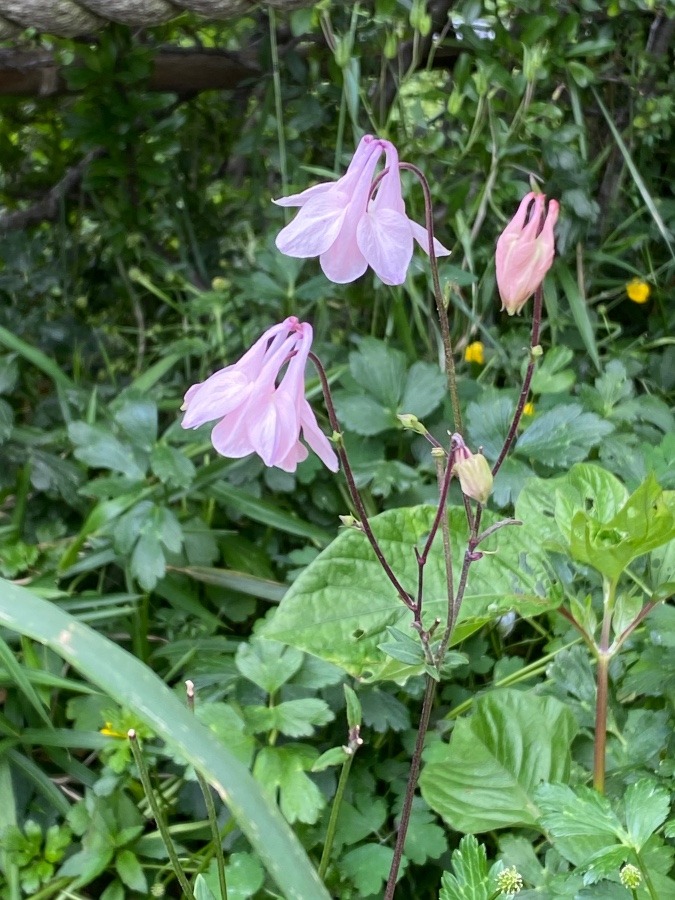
(36, 357)
(132, 684)
(579, 312)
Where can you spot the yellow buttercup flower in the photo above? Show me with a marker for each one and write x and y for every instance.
(109, 731)
(475, 353)
(638, 290)
(528, 409)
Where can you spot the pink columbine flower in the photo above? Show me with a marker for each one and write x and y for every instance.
(339, 223)
(259, 411)
(525, 251)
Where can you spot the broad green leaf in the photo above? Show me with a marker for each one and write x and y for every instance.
(551, 375)
(282, 770)
(562, 436)
(581, 822)
(368, 867)
(236, 581)
(98, 448)
(202, 891)
(645, 522)
(243, 873)
(469, 877)
(646, 807)
(362, 414)
(488, 422)
(380, 370)
(130, 871)
(425, 839)
(486, 777)
(424, 390)
(546, 506)
(137, 418)
(267, 663)
(171, 466)
(341, 605)
(294, 718)
(134, 686)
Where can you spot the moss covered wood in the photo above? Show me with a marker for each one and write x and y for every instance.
(70, 18)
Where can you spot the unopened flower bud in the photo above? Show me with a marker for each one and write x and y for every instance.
(350, 522)
(510, 881)
(630, 876)
(472, 469)
(412, 422)
(525, 251)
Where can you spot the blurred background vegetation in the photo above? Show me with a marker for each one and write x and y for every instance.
(137, 168)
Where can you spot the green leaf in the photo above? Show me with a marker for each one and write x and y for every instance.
(425, 388)
(486, 777)
(36, 358)
(341, 604)
(562, 436)
(336, 756)
(294, 718)
(551, 375)
(134, 686)
(263, 588)
(646, 807)
(243, 873)
(6, 420)
(130, 871)
(579, 309)
(469, 878)
(171, 466)
(582, 822)
(380, 370)
(425, 839)
(202, 890)
(645, 522)
(282, 770)
(228, 726)
(488, 422)
(267, 663)
(362, 414)
(100, 449)
(368, 867)
(138, 420)
(353, 704)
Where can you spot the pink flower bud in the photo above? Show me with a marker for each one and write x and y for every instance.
(472, 469)
(525, 251)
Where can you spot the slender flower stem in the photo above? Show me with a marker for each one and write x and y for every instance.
(438, 296)
(334, 815)
(353, 490)
(440, 517)
(157, 814)
(626, 633)
(525, 390)
(647, 877)
(410, 787)
(210, 807)
(278, 105)
(604, 655)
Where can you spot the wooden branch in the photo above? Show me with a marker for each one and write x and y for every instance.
(185, 72)
(47, 208)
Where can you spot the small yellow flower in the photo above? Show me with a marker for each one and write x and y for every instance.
(110, 731)
(475, 353)
(638, 290)
(528, 409)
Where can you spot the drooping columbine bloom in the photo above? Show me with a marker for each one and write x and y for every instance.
(339, 223)
(525, 251)
(259, 411)
(472, 469)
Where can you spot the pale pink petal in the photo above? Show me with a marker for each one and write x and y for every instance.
(421, 235)
(316, 439)
(343, 261)
(302, 198)
(315, 227)
(389, 192)
(273, 427)
(215, 397)
(385, 239)
(297, 454)
(230, 438)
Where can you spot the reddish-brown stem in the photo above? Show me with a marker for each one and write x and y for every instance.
(353, 490)
(440, 512)
(438, 295)
(411, 786)
(602, 682)
(626, 633)
(525, 390)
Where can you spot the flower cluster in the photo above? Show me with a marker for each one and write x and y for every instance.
(259, 411)
(350, 224)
